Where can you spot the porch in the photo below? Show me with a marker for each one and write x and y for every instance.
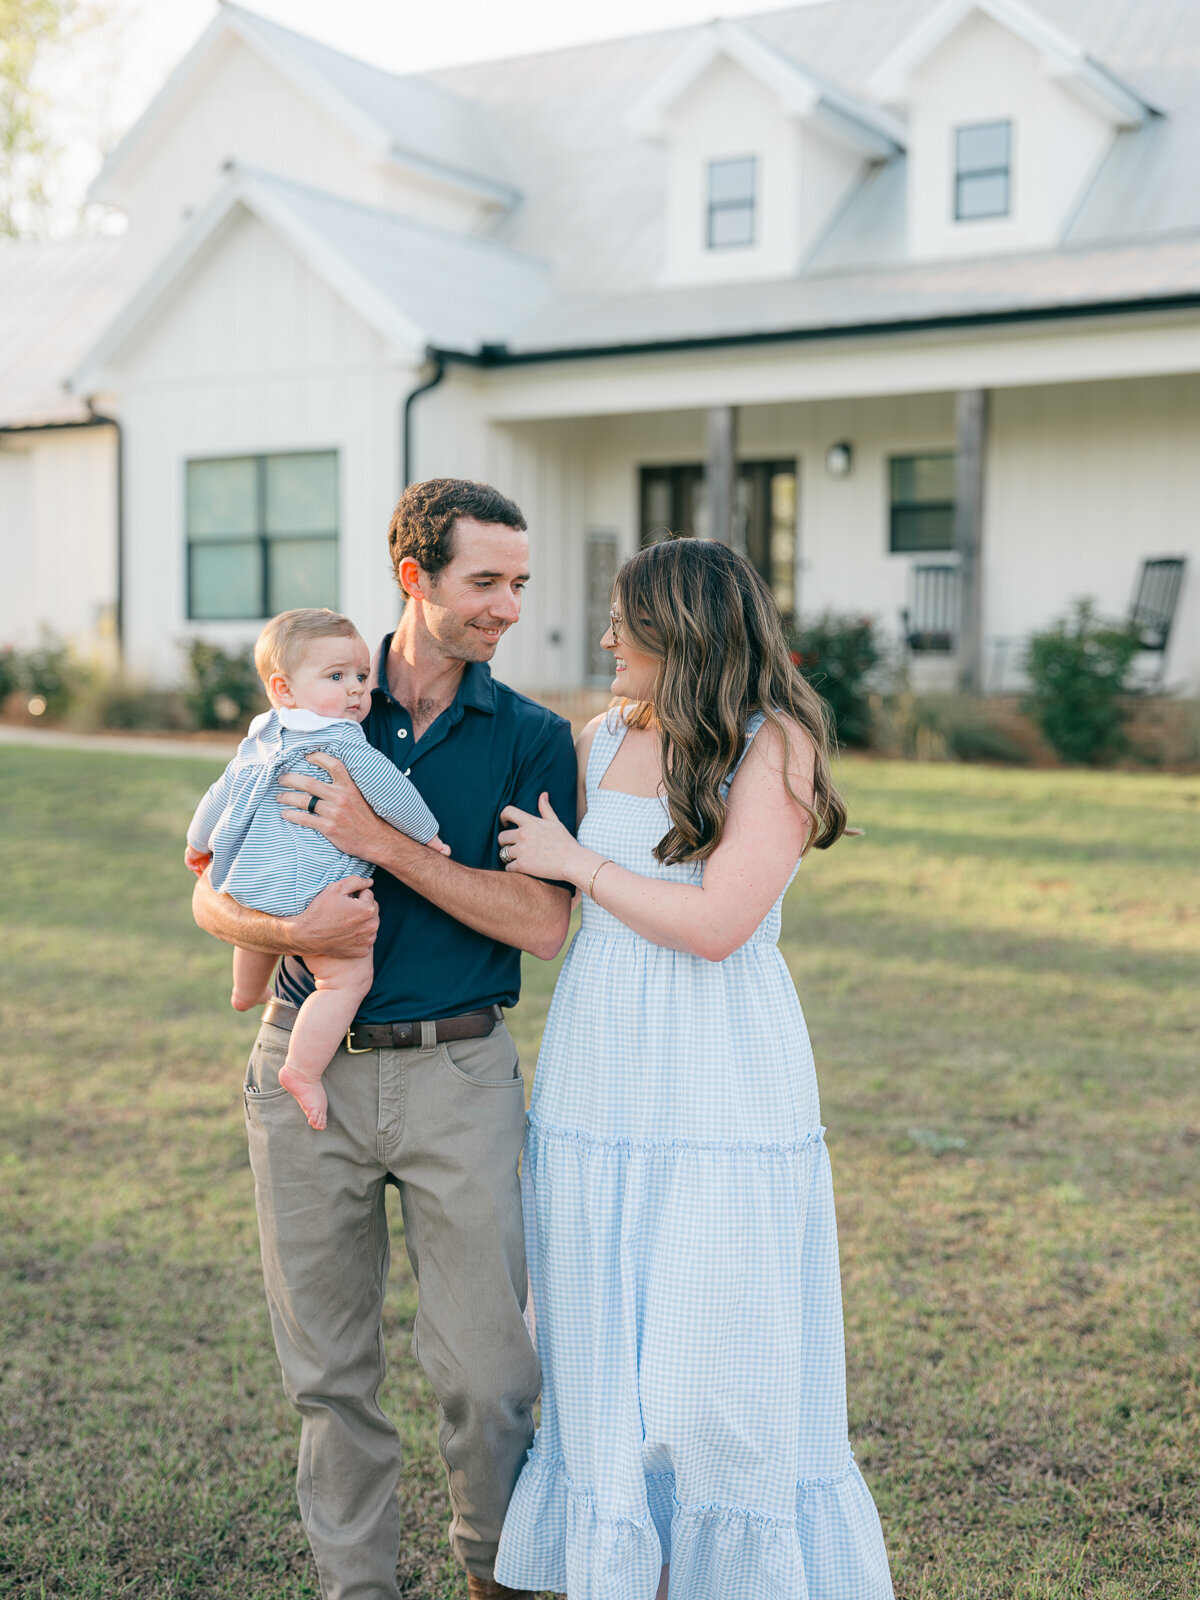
(1021, 499)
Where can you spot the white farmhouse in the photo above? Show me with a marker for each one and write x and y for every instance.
(901, 296)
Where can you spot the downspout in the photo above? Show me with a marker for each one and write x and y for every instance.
(406, 461)
(100, 419)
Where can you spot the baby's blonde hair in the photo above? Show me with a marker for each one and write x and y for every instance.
(284, 642)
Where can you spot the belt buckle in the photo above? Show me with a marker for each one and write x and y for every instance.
(351, 1050)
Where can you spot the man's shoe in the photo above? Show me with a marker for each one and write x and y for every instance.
(489, 1589)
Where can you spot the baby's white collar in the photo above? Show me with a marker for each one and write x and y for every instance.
(301, 721)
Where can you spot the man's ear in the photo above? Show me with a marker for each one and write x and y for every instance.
(413, 578)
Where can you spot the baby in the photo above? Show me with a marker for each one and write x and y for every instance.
(315, 666)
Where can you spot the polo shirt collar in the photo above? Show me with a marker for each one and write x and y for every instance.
(476, 688)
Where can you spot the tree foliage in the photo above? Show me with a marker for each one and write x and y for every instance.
(29, 30)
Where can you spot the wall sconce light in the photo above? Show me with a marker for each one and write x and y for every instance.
(839, 458)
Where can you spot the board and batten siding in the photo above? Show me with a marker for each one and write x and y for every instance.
(1084, 482)
(58, 531)
(254, 355)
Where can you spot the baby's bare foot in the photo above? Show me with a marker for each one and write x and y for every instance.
(312, 1097)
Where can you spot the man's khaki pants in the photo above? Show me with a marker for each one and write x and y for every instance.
(444, 1123)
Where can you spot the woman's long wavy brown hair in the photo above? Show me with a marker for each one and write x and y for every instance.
(711, 621)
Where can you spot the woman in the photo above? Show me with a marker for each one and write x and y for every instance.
(680, 1213)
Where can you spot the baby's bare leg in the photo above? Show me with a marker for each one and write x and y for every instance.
(252, 970)
(321, 1027)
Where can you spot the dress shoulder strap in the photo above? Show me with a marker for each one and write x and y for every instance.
(606, 741)
(753, 723)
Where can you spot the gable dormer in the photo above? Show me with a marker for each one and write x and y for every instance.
(760, 155)
(253, 93)
(1008, 119)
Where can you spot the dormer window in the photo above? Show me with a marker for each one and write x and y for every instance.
(731, 185)
(982, 170)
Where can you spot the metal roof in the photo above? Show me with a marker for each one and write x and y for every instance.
(594, 190)
(575, 264)
(422, 120)
(1100, 279)
(416, 284)
(411, 120)
(458, 290)
(55, 297)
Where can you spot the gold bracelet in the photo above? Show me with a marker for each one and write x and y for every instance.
(607, 862)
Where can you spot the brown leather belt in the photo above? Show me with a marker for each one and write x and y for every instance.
(364, 1036)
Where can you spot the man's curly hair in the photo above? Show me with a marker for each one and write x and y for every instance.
(422, 524)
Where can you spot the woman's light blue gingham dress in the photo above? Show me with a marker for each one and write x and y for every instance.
(683, 1257)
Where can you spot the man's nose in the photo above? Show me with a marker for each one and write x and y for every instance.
(508, 606)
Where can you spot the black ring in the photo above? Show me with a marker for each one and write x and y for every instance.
(312, 804)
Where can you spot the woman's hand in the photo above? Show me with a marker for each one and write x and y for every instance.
(539, 846)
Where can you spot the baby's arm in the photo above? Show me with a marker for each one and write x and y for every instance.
(390, 794)
(197, 855)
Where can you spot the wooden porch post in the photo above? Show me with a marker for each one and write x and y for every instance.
(719, 471)
(970, 422)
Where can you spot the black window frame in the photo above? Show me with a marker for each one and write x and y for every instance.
(964, 175)
(720, 207)
(263, 538)
(898, 510)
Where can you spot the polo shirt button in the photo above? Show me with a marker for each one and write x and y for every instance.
(402, 733)
(407, 770)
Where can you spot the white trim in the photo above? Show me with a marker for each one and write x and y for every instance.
(241, 189)
(1064, 59)
(868, 130)
(1084, 351)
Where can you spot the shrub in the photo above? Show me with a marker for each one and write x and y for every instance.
(120, 702)
(948, 725)
(49, 671)
(47, 678)
(838, 656)
(222, 685)
(1077, 670)
(10, 672)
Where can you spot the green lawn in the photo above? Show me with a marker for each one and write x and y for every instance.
(1003, 985)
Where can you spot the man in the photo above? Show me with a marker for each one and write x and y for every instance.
(426, 1094)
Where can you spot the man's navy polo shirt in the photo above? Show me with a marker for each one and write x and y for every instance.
(490, 748)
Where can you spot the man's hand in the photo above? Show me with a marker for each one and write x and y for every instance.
(341, 921)
(342, 814)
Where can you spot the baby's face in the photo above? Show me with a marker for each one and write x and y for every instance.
(332, 679)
